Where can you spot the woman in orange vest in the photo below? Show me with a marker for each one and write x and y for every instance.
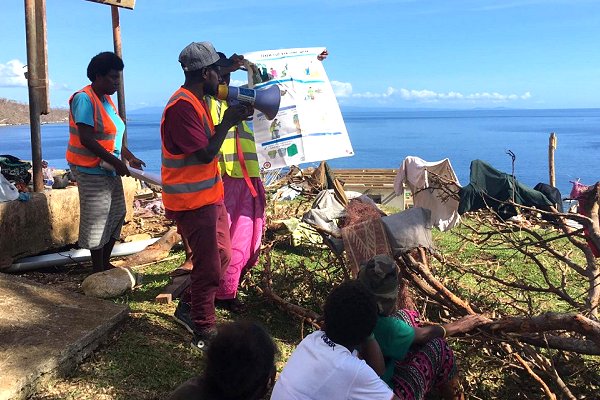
(94, 154)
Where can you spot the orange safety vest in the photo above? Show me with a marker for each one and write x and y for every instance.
(187, 183)
(104, 132)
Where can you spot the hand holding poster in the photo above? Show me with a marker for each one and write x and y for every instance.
(309, 125)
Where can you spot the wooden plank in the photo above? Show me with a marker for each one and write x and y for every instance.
(164, 298)
(356, 177)
(370, 177)
(118, 3)
(173, 290)
(341, 176)
(388, 174)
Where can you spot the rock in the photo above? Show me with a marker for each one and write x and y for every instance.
(138, 237)
(108, 284)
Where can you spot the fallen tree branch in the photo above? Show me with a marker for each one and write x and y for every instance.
(547, 366)
(549, 394)
(549, 322)
(497, 268)
(570, 344)
(434, 283)
(157, 251)
(306, 315)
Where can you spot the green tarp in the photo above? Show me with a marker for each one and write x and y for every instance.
(489, 187)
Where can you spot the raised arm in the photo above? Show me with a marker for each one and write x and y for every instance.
(465, 324)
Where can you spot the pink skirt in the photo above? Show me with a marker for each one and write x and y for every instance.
(246, 222)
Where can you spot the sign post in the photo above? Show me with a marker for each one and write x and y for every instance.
(551, 149)
(116, 29)
(37, 82)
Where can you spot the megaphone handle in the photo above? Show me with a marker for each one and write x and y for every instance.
(238, 145)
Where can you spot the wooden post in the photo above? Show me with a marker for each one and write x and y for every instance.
(42, 56)
(116, 27)
(551, 147)
(34, 101)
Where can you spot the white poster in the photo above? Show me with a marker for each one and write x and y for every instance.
(309, 125)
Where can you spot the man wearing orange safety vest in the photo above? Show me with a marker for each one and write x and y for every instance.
(192, 185)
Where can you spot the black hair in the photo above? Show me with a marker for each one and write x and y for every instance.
(102, 63)
(350, 314)
(239, 362)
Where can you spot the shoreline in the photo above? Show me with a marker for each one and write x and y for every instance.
(2, 125)
(14, 113)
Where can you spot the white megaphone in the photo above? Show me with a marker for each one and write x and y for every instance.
(265, 100)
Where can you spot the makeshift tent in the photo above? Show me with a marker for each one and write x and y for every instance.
(489, 187)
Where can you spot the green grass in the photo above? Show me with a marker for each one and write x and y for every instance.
(150, 354)
(484, 373)
(507, 264)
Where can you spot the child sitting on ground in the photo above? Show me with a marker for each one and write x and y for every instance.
(240, 365)
(417, 359)
(324, 366)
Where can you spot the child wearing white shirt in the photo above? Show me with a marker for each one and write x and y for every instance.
(325, 365)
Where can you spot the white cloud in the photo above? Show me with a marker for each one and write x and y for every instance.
(237, 82)
(344, 90)
(11, 74)
(341, 89)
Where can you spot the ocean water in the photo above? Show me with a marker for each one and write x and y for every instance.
(383, 138)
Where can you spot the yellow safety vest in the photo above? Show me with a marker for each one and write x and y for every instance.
(229, 161)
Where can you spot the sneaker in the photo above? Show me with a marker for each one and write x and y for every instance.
(234, 305)
(202, 339)
(182, 316)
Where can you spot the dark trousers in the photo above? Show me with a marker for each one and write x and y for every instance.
(207, 231)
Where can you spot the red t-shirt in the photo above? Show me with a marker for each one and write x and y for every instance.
(183, 131)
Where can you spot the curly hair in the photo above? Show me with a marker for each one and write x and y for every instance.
(350, 314)
(239, 362)
(102, 63)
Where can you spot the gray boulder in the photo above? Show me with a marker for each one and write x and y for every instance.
(109, 284)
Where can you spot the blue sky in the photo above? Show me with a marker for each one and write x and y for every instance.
(404, 53)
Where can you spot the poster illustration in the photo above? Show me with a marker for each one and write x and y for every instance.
(309, 125)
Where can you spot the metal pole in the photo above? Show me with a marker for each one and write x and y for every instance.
(118, 51)
(551, 148)
(34, 106)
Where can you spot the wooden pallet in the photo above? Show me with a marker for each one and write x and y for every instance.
(377, 183)
(367, 178)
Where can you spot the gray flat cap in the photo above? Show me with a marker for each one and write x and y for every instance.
(197, 55)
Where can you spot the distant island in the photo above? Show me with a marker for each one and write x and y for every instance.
(15, 113)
